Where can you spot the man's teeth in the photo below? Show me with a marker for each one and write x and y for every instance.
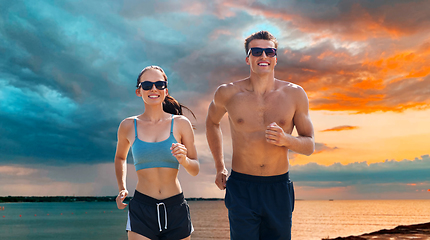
(263, 64)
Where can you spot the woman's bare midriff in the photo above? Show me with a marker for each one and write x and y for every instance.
(158, 183)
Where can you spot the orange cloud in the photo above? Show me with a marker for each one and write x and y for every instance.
(407, 64)
(308, 70)
(340, 128)
(337, 80)
(358, 109)
(366, 58)
(370, 84)
(305, 58)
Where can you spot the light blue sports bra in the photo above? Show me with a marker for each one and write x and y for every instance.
(153, 154)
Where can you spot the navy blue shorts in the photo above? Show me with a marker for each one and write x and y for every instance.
(259, 207)
(159, 219)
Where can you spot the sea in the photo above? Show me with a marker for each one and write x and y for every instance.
(312, 220)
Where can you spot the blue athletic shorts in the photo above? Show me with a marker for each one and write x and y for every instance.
(259, 207)
(159, 219)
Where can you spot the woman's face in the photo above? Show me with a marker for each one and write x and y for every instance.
(154, 95)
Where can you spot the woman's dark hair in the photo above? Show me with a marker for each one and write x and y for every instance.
(170, 105)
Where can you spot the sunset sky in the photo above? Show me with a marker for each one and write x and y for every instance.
(68, 72)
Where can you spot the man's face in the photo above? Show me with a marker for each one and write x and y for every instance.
(263, 63)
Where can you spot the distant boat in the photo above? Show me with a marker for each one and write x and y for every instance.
(331, 200)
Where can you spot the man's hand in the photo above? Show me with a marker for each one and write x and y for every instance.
(276, 135)
(120, 198)
(220, 179)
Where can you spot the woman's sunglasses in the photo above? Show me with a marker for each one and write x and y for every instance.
(256, 51)
(147, 85)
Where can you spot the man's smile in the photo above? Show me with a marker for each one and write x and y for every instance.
(263, 64)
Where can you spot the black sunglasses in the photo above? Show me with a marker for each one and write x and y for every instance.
(147, 85)
(256, 51)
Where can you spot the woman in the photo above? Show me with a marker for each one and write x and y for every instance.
(161, 139)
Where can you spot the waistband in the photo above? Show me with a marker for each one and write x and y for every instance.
(170, 201)
(260, 179)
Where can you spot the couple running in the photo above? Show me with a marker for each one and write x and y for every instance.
(262, 112)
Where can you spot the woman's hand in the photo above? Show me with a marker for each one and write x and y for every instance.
(180, 152)
(120, 198)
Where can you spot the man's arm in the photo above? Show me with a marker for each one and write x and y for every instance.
(214, 135)
(305, 142)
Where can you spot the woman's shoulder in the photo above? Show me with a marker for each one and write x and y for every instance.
(127, 122)
(181, 121)
(129, 119)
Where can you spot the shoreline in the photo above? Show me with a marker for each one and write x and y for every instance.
(17, 199)
(416, 231)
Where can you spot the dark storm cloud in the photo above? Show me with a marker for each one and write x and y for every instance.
(68, 74)
(58, 89)
(346, 19)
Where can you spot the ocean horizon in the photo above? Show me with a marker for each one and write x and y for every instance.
(312, 219)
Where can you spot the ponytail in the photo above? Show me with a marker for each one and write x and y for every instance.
(172, 106)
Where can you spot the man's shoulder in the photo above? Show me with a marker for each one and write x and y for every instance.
(285, 85)
(235, 85)
(231, 88)
(226, 91)
(289, 87)
(292, 91)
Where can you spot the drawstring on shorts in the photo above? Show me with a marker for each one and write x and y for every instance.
(141, 214)
(165, 215)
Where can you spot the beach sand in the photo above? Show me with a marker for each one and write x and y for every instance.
(416, 232)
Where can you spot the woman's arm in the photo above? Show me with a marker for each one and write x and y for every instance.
(123, 145)
(186, 152)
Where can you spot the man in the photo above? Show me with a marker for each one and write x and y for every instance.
(262, 112)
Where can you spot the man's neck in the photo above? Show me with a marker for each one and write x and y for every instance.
(261, 83)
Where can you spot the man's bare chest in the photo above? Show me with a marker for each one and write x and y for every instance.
(248, 112)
